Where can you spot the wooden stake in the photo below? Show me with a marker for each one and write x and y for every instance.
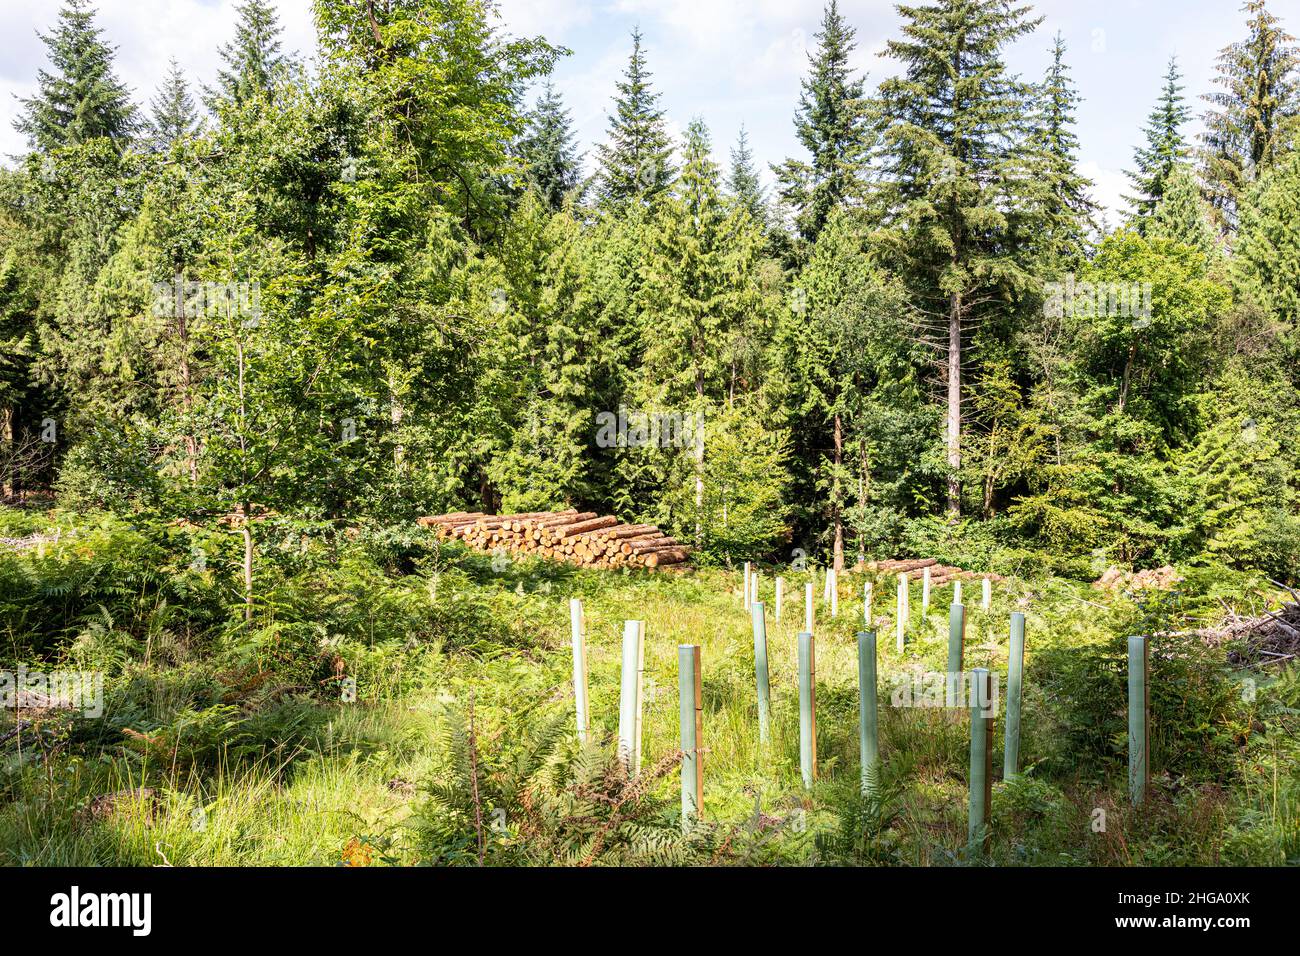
(578, 625)
(1015, 677)
(691, 713)
(808, 707)
(760, 672)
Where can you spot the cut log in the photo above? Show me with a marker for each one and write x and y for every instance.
(668, 556)
(582, 527)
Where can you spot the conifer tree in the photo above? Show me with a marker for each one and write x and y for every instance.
(173, 114)
(636, 163)
(1165, 149)
(1183, 216)
(1266, 254)
(547, 149)
(1067, 208)
(253, 62)
(743, 183)
(1253, 115)
(699, 283)
(832, 125)
(83, 98)
(958, 166)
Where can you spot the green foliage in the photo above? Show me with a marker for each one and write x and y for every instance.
(1165, 150)
(636, 163)
(547, 150)
(82, 99)
(832, 123)
(1267, 250)
(1253, 114)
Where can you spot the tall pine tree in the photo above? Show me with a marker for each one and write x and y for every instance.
(1067, 209)
(1165, 149)
(958, 166)
(173, 114)
(832, 125)
(253, 62)
(636, 163)
(83, 98)
(743, 183)
(1254, 113)
(547, 149)
(700, 283)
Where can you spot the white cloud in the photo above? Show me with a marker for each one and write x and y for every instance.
(1109, 188)
(550, 18)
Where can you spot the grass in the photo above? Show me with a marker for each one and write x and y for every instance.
(253, 756)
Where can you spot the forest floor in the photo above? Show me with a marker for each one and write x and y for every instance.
(404, 701)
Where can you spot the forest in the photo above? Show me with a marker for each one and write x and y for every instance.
(251, 333)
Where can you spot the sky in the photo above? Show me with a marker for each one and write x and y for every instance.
(729, 62)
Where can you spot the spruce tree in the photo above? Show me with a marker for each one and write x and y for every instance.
(1165, 149)
(83, 98)
(699, 284)
(1183, 216)
(1254, 113)
(832, 125)
(253, 60)
(173, 114)
(548, 151)
(1067, 208)
(636, 163)
(958, 168)
(743, 183)
(1266, 254)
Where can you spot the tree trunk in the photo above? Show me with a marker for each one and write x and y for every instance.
(7, 439)
(248, 505)
(699, 457)
(187, 396)
(248, 567)
(954, 405)
(837, 507)
(395, 414)
(1128, 373)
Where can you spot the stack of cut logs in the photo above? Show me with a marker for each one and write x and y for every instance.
(582, 538)
(940, 574)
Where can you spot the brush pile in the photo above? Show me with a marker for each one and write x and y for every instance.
(940, 574)
(1160, 579)
(582, 538)
(1271, 638)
